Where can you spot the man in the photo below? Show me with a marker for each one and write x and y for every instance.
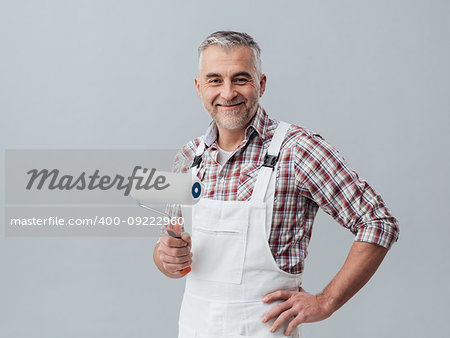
(263, 183)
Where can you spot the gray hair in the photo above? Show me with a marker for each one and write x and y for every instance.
(230, 39)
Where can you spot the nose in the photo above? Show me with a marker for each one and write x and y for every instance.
(228, 93)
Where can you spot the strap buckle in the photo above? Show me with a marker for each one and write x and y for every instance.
(197, 161)
(270, 161)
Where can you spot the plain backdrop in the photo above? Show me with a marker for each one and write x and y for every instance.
(372, 77)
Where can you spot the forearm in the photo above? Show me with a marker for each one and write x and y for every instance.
(361, 263)
(160, 266)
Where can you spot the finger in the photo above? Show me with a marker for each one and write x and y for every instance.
(286, 315)
(279, 294)
(172, 242)
(186, 237)
(176, 267)
(174, 252)
(293, 324)
(275, 311)
(175, 260)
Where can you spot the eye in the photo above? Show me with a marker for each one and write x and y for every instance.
(214, 81)
(241, 80)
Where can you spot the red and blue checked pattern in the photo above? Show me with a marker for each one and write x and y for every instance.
(310, 174)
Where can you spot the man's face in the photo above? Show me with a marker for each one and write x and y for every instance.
(229, 86)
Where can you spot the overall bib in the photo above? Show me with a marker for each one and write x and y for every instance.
(233, 267)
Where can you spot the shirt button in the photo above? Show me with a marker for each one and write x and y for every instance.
(222, 179)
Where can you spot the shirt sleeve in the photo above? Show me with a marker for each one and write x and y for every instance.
(181, 164)
(323, 174)
(174, 210)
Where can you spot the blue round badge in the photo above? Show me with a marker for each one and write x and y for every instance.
(196, 190)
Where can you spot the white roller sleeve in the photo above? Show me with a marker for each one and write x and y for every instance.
(178, 188)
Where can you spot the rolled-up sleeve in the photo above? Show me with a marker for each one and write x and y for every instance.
(340, 192)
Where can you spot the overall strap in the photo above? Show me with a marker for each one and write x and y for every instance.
(270, 161)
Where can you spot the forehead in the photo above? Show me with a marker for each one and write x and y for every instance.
(219, 60)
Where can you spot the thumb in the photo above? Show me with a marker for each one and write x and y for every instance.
(185, 236)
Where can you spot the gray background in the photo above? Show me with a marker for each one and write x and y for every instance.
(372, 77)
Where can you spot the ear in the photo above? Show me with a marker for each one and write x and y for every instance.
(197, 87)
(262, 84)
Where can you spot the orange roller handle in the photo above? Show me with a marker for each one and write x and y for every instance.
(185, 270)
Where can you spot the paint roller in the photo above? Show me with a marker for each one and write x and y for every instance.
(159, 187)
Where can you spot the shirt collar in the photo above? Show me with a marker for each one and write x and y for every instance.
(258, 123)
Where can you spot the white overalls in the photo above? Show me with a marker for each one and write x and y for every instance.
(233, 267)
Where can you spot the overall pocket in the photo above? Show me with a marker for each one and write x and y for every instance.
(218, 247)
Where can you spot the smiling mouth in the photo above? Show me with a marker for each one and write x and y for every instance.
(230, 106)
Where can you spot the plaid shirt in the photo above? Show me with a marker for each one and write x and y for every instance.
(310, 174)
